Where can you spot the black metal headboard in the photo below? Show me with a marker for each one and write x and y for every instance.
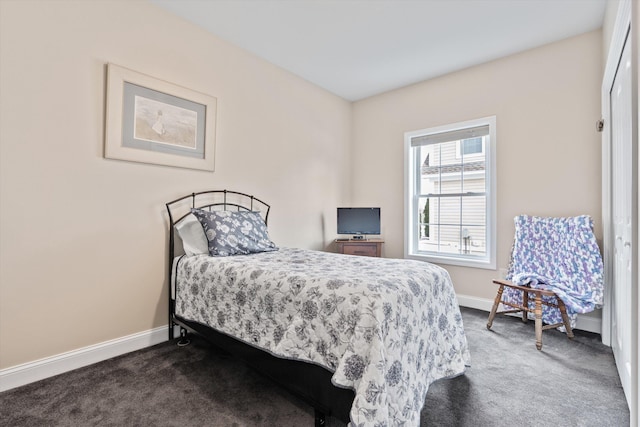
(214, 200)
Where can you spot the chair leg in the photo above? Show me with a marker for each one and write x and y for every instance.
(565, 317)
(525, 304)
(494, 309)
(538, 312)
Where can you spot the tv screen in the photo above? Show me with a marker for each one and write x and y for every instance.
(358, 220)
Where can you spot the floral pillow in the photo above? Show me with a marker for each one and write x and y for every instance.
(234, 233)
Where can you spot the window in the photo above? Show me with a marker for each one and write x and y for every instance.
(450, 194)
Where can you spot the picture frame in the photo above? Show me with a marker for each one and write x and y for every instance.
(149, 120)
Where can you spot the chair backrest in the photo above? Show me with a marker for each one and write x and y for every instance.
(560, 254)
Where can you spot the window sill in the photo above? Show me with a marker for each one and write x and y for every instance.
(454, 260)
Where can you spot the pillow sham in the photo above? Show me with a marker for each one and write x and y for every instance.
(194, 242)
(234, 233)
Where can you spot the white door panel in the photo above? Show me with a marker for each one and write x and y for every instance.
(622, 216)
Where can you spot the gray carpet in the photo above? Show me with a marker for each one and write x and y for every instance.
(568, 383)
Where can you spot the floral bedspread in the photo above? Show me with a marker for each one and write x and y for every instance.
(560, 254)
(387, 328)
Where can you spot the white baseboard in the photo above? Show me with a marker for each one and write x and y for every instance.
(44, 368)
(584, 323)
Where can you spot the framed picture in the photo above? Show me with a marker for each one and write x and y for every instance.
(152, 121)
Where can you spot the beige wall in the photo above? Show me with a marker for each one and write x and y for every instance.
(546, 102)
(83, 239)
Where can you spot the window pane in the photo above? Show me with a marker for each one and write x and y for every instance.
(450, 239)
(473, 164)
(428, 224)
(450, 211)
(472, 146)
(430, 243)
(425, 205)
(448, 153)
(450, 181)
(473, 181)
(451, 169)
(474, 240)
(442, 172)
(474, 210)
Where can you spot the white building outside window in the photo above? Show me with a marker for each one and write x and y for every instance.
(450, 194)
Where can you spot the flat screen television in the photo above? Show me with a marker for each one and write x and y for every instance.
(358, 221)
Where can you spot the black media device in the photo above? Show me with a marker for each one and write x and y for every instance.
(358, 221)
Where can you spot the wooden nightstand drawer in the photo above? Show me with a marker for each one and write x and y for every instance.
(362, 248)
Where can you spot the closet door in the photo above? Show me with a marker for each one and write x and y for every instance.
(620, 198)
(622, 217)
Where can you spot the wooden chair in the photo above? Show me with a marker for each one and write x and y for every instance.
(555, 272)
(527, 293)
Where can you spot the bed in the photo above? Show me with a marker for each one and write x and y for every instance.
(357, 338)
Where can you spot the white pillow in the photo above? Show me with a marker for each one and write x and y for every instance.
(192, 234)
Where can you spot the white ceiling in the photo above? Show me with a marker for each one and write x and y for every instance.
(359, 48)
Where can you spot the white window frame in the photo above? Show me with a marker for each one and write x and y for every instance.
(412, 223)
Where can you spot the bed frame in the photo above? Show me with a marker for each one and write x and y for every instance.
(309, 382)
